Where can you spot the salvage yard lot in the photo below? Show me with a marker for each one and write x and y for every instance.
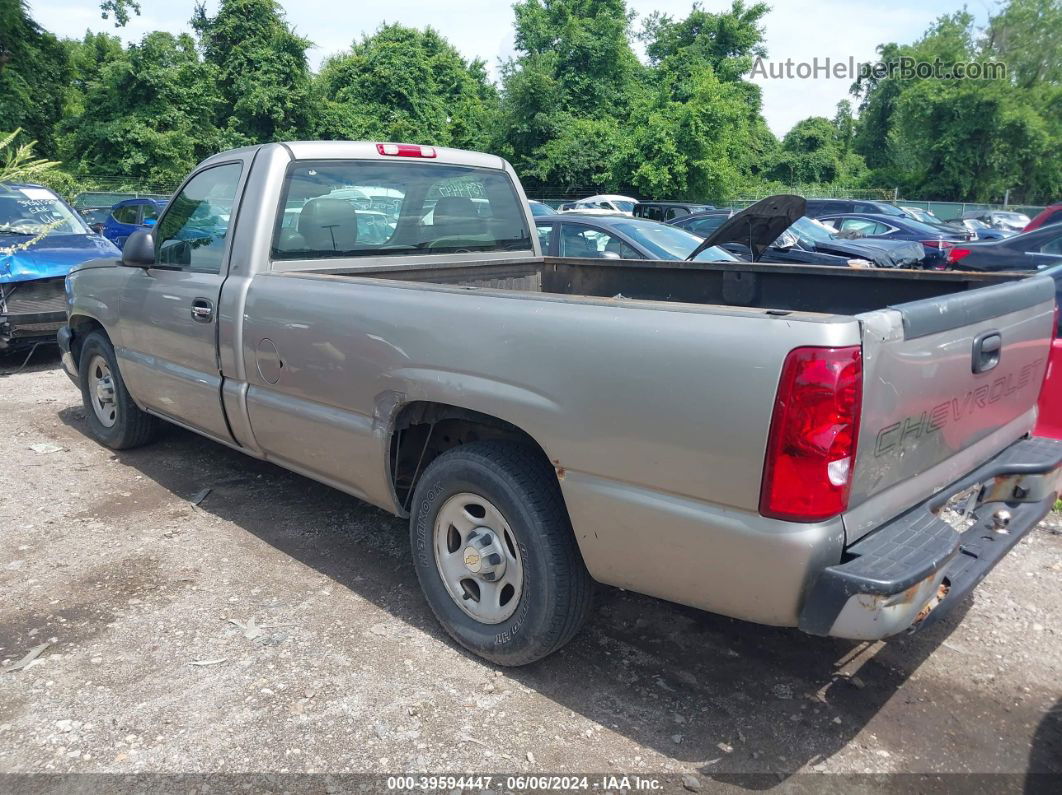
(278, 626)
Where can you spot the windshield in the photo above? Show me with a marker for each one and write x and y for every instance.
(976, 224)
(539, 209)
(627, 207)
(37, 211)
(1013, 218)
(923, 215)
(669, 242)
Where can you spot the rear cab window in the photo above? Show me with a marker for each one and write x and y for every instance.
(359, 208)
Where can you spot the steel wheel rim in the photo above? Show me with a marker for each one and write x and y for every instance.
(478, 558)
(101, 391)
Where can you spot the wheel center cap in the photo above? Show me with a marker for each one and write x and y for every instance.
(484, 556)
(472, 560)
(104, 391)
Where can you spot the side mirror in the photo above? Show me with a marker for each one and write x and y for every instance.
(139, 249)
(96, 228)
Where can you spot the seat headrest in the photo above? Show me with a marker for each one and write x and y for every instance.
(454, 208)
(329, 224)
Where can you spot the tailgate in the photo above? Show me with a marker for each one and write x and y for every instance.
(948, 382)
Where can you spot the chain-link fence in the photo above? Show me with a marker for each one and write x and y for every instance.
(946, 211)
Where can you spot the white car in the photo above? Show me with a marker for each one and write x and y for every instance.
(609, 202)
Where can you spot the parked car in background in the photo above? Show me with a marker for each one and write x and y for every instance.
(609, 202)
(1036, 250)
(1004, 220)
(1052, 214)
(978, 230)
(935, 240)
(820, 207)
(618, 237)
(801, 241)
(41, 239)
(929, 219)
(539, 208)
(668, 211)
(702, 223)
(95, 217)
(919, 214)
(129, 215)
(100, 199)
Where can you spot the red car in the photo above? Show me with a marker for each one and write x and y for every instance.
(1049, 419)
(1052, 214)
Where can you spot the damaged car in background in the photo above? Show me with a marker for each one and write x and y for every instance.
(41, 239)
(776, 229)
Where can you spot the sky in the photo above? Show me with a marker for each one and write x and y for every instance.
(834, 29)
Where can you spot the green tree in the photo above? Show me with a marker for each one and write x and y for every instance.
(88, 57)
(819, 151)
(34, 72)
(1027, 36)
(262, 73)
(727, 41)
(150, 115)
(568, 93)
(699, 132)
(971, 139)
(589, 47)
(402, 84)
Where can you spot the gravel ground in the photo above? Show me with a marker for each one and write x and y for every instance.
(278, 627)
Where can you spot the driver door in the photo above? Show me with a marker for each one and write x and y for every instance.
(169, 311)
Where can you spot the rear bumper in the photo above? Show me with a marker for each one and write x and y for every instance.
(911, 572)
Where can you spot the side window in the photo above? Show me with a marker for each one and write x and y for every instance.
(1053, 246)
(125, 215)
(193, 231)
(858, 225)
(584, 241)
(707, 225)
(545, 235)
(151, 214)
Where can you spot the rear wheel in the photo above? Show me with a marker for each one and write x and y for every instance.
(112, 416)
(495, 554)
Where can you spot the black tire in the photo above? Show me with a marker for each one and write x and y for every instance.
(132, 427)
(557, 589)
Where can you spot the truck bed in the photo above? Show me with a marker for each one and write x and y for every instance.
(797, 288)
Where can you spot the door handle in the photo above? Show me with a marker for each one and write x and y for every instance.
(986, 350)
(202, 310)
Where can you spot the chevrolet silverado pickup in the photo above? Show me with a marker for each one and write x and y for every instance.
(843, 451)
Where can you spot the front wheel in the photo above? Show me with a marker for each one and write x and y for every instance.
(495, 554)
(112, 416)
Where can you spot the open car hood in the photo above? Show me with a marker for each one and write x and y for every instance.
(758, 225)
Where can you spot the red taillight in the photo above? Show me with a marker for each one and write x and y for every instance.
(405, 150)
(944, 244)
(812, 444)
(956, 254)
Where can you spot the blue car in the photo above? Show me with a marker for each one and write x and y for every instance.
(129, 215)
(936, 241)
(41, 239)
